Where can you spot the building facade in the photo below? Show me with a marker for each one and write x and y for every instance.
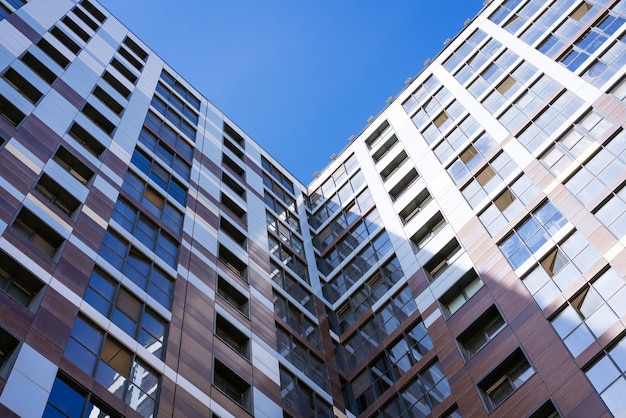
(465, 255)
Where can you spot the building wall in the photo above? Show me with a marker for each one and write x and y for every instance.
(461, 257)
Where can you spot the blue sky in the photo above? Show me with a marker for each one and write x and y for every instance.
(298, 77)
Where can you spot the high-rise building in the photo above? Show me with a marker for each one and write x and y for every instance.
(465, 255)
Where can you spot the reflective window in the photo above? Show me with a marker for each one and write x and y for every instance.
(292, 286)
(550, 121)
(370, 255)
(162, 177)
(561, 267)
(375, 287)
(359, 233)
(300, 356)
(137, 267)
(591, 312)
(575, 141)
(17, 282)
(285, 233)
(608, 377)
(300, 399)
(506, 378)
(531, 234)
(528, 103)
(460, 292)
(419, 397)
(174, 117)
(590, 41)
(146, 231)
(371, 333)
(561, 34)
(508, 204)
(603, 169)
(481, 331)
(67, 400)
(189, 97)
(126, 311)
(429, 88)
(113, 366)
(167, 155)
(297, 320)
(471, 157)
(488, 178)
(613, 213)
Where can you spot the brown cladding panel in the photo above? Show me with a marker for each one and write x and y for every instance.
(186, 405)
(16, 173)
(53, 328)
(74, 269)
(89, 232)
(38, 138)
(69, 94)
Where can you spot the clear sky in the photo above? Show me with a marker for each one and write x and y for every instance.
(299, 77)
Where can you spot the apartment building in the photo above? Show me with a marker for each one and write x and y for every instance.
(464, 256)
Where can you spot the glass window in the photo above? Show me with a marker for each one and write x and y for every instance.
(171, 113)
(301, 357)
(550, 121)
(40, 234)
(481, 331)
(610, 61)
(19, 83)
(160, 176)
(471, 158)
(300, 399)
(67, 400)
(505, 379)
(57, 195)
(295, 318)
(531, 234)
(460, 292)
(488, 178)
(146, 231)
(591, 312)
(126, 311)
(232, 336)
(613, 213)
(508, 204)
(10, 112)
(153, 202)
(380, 325)
(232, 385)
(601, 171)
(420, 396)
(137, 267)
(607, 375)
(113, 366)
(17, 282)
